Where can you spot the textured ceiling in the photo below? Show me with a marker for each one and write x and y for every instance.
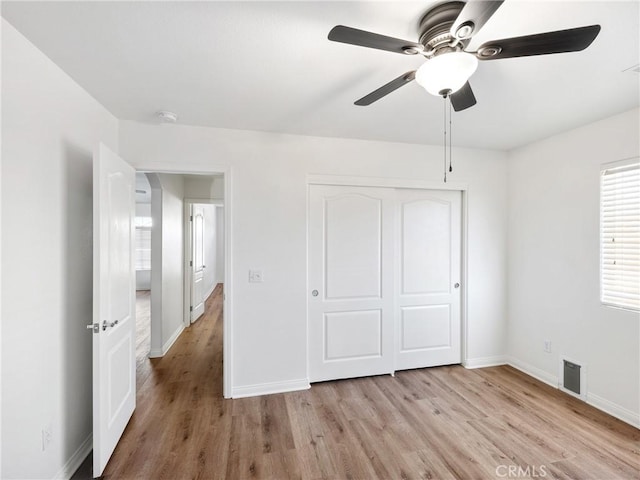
(268, 66)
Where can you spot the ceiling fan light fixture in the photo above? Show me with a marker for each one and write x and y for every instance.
(447, 72)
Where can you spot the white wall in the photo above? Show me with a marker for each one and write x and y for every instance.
(554, 263)
(210, 244)
(268, 201)
(49, 129)
(204, 187)
(219, 277)
(167, 254)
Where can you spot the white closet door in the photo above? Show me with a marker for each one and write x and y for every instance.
(350, 282)
(428, 238)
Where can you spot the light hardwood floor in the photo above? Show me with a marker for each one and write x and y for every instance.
(445, 422)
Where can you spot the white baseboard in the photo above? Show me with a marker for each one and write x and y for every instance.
(482, 362)
(613, 409)
(210, 291)
(269, 388)
(532, 371)
(596, 401)
(69, 468)
(154, 353)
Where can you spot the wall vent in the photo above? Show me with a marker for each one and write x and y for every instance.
(573, 377)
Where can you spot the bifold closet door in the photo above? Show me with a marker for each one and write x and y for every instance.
(351, 276)
(428, 250)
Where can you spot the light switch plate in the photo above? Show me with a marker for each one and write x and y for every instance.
(255, 276)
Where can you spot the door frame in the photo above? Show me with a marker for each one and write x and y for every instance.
(409, 183)
(227, 300)
(188, 247)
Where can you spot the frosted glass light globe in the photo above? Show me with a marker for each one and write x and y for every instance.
(446, 72)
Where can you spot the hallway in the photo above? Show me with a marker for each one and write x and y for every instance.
(168, 389)
(161, 387)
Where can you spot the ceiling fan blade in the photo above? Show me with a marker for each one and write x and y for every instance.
(353, 36)
(561, 41)
(386, 89)
(463, 98)
(473, 16)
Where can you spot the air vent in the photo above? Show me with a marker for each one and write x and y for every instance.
(634, 69)
(573, 377)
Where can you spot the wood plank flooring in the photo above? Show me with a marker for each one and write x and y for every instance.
(437, 423)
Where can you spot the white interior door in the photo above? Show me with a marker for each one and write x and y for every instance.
(350, 282)
(428, 239)
(197, 261)
(114, 285)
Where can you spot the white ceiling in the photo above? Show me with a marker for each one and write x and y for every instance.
(269, 66)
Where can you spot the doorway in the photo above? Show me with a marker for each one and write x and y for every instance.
(204, 253)
(171, 197)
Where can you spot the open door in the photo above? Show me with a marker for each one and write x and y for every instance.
(197, 262)
(114, 285)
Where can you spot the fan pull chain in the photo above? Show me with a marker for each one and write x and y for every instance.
(450, 136)
(444, 97)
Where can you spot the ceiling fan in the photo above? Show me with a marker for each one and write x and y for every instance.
(445, 33)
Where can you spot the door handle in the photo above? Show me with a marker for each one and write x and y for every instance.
(314, 293)
(457, 285)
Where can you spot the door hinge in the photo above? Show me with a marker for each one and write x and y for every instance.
(191, 263)
(191, 218)
(191, 309)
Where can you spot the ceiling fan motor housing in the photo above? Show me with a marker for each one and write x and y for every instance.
(435, 29)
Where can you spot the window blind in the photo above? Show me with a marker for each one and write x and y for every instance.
(620, 236)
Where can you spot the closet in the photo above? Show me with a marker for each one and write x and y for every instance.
(384, 280)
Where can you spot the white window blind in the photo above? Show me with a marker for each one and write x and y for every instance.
(620, 236)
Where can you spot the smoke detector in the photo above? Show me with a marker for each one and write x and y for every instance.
(167, 117)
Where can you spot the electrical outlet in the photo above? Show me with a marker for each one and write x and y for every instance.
(255, 276)
(46, 437)
(547, 346)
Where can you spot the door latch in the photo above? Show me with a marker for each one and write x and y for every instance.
(95, 327)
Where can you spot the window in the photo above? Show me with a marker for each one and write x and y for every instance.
(620, 235)
(143, 243)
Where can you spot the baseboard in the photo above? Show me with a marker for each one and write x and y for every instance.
(69, 468)
(533, 371)
(154, 353)
(269, 388)
(210, 291)
(596, 401)
(482, 362)
(613, 409)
